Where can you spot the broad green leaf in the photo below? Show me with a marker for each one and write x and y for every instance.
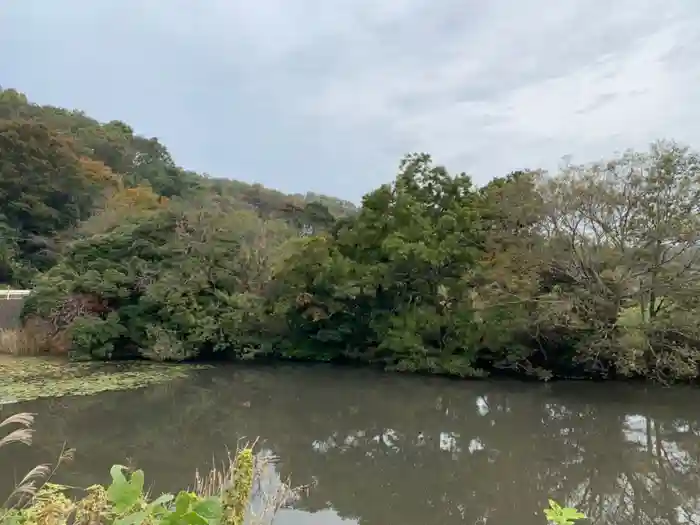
(137, 518)
(209, 508)
(192, 518)
(162, 500)
(562, 515)
(122, 493)
(182, 502)
(157, 507)
(571, 515)
(137, 481)
(117, 473)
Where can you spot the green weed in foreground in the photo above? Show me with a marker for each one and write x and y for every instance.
(222, 497)
(125, 503)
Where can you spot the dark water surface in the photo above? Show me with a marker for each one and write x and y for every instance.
(397, 450)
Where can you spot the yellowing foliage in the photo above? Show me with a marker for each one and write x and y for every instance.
(98, 172)
(139, 197)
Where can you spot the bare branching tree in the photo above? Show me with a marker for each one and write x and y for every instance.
(625, 236)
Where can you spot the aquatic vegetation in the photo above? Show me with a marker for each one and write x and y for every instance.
(27, 378)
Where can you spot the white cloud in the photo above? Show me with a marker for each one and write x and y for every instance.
(520, 82)
(612, 103)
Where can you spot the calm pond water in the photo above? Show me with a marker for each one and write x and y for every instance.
(387, 449)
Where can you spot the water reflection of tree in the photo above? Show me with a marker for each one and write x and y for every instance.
(390, 449)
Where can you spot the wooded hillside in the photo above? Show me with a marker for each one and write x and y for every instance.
(60, 167)
(590, 272)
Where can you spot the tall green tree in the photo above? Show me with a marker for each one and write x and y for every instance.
(388, 285)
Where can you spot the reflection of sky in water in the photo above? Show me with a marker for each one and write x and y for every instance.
(270, 484)
(323, 517)
(640, 432)
(634, 428)
(482, 405)
(447, 441)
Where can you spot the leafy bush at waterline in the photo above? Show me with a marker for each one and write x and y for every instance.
(169, 285)
(223, 497)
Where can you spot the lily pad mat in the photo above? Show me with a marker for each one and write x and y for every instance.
(28, 378)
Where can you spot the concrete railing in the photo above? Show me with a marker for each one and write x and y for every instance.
(14, 294)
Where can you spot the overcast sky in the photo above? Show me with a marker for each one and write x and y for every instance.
(328, 95)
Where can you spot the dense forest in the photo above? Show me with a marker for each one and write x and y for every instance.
(592, 271)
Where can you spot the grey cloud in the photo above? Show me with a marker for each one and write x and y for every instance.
(601, 100)
(327, 96)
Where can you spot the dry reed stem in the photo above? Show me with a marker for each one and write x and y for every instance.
(25, 341)
(20, 435)
(37, 477)
(269, 502)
